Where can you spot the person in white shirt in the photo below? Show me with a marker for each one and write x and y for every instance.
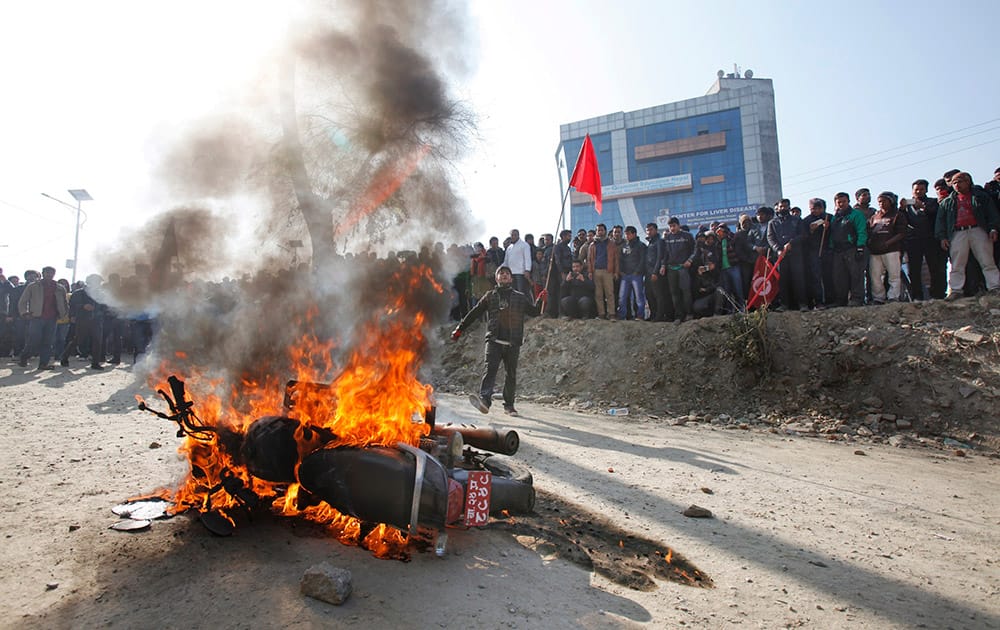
(518, 258)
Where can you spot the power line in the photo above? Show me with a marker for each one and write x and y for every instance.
(896, 168)
(28, 212)
(902, 146)
(864, 164)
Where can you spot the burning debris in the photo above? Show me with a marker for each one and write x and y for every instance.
(362, 454)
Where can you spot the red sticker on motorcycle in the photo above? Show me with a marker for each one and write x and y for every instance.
(477, 498)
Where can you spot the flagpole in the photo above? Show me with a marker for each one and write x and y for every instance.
(589, 182)
(552, 256)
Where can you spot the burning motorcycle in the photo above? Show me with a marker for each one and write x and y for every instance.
(442, 482)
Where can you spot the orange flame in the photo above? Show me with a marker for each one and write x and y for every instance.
(376, 400)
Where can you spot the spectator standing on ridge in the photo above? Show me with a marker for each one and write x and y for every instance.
(505, 308)
(633, 270)
(817, 228)
(886, 231)
(863, 197)
(679, 246)
(602, 263)
(993, 187)
(967, 221)
(921, 246)
(42, 303)
(848, 240)
(494, 258)
(660, 308)
(785, 235)
(518, 258)
(562, 264)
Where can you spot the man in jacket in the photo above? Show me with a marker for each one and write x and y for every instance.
(505, 308)
(561, 265)
(42, 303)
(848, 242)
(577, 293)
(967, 221)
(633, 270)
(886, 231)
(786, 235)
(817, 228)
(679, 251)
(602, 263)
(660, 308)
(921, 245)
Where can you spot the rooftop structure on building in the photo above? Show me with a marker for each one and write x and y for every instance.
(704, 159)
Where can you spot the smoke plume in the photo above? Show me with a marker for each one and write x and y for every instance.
(284, 223)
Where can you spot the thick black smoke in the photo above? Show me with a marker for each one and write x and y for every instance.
(229, 272)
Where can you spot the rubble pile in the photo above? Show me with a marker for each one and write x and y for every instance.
(903, 373)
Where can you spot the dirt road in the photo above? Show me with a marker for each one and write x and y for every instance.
(805, 533)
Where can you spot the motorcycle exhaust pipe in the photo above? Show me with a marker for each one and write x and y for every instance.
(502, 441)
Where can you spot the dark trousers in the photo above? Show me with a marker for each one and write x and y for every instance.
(20, 334)
(88, 337)
(849, 269)
(114, 329)
(552, 286)
(732, 282)
(41, 333)
(918, 251)
(495, 353)
(661, 307)
(679, 284)
(792, 279)
(521, 283)
(576, 308)
(814, 278)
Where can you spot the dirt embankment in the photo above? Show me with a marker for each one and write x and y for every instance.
(927, 372)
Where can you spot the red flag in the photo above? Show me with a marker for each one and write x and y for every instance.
(586, 177)
(764, 287)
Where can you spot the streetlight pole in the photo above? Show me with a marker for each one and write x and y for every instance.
(80, 195)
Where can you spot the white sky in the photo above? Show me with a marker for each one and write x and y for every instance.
(87, 85)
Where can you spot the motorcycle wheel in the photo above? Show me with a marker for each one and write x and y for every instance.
(513, 492)
(508, 468)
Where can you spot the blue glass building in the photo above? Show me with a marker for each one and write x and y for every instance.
(703, 159)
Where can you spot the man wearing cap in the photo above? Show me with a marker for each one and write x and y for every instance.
(967, 221)
(730, 276)
(886, 231)
(679, 251)
(505, 308)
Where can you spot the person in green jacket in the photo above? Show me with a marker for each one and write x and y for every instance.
(849, 247)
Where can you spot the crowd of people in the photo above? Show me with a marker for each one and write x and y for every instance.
(914, 247)
(52, 321)
(918, 247)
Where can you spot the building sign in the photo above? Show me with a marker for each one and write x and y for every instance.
(659, 185)
(647, 186)
(726, 215)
